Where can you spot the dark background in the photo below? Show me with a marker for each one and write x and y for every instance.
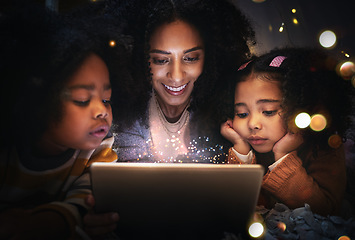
(313, 17)
(267, 16)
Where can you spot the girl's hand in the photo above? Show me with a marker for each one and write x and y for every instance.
(231, 135)
(288, 143)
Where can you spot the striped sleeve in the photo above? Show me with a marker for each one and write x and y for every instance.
(78, 185)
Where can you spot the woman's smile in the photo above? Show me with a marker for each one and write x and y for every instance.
(175, 90)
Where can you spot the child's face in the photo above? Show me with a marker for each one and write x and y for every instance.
(258, 113)
(87, 114)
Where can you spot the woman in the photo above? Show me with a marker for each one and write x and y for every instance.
(182, 51)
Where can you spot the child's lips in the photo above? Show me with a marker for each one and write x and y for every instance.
(100, 131)
(255, 140)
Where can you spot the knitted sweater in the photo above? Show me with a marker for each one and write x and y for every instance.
(318, 181)
(61, 187)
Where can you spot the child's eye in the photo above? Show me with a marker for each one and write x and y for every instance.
(81, 103)
(106, 102)
(269, 113)
(242, 115)
(160, 61)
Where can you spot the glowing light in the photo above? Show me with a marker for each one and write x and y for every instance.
(334, 141)
(258, 1)
(270, 27)
(281, 226)
(302, 120)
(295, 21)
(112, 43)
(345, 54)
(347, 70)
(281, 29)
(293, 10)
(256, 229)
(318, 122)
(327, 39)
(344, 238)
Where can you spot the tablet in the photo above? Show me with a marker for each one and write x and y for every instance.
(177, 196)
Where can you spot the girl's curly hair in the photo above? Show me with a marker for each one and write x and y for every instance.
(309, 83)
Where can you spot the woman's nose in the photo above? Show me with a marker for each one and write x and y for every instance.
(176, 71)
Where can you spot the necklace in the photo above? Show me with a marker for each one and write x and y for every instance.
(168, 139)
(172, 129)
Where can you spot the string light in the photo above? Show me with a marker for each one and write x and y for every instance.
(281, 29)
(112, 43)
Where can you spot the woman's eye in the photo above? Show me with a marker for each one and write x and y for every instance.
(81, 103)
(270, 113)
(241, 115)
(191, 59)
(160, 61)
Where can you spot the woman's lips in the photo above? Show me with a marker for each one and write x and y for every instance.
(175, 90)
(100, 131)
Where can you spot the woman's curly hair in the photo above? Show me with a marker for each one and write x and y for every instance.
(40, 52)
(309, 83)
(227, 36)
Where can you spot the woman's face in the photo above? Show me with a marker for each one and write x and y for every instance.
(176, 61)
(258, 113)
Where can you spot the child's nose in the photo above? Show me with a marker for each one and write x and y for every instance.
(254, 122)
(100, 110)
(102, 115)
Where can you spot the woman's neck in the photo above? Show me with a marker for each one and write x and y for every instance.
(172, 113)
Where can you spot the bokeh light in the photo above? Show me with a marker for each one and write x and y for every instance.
(347, 70)
(318, 122)
(112, 43)
(281, 29)
(302, 120)
(334, 141)
(295, 21)
(327, 39)
(344, 238)
(345, 54)
(258, 1)
(293, 10)
(256, 229)
(281, 226)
